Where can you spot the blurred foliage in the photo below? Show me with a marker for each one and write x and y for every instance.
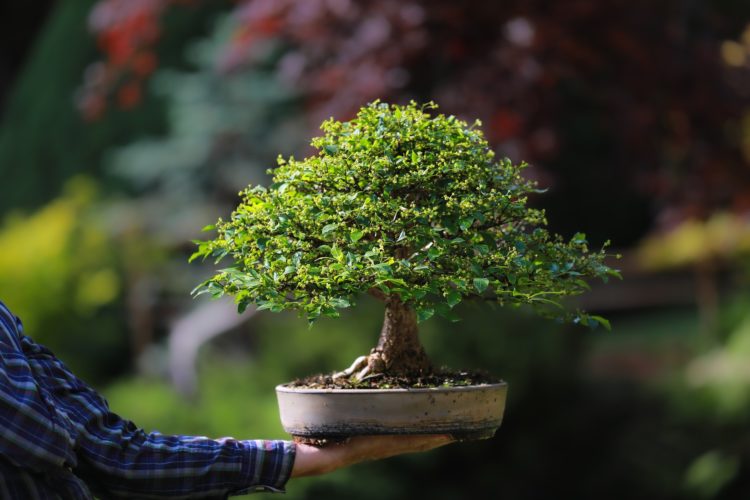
(560, 86)
(60, 296)
(709, 473)
(42, 250)
(223, 132)
(39, 162)
(43, 138)
(722, 375)
(723, 236)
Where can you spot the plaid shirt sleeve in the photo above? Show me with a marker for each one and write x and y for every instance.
(53, 419)
(31, 437)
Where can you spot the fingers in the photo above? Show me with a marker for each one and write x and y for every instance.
(377, 447)
(311, 460)
(431, 441)
(416, 443)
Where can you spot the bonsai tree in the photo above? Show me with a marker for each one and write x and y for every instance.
(411, 208)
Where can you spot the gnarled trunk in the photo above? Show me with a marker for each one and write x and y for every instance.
(399, 351)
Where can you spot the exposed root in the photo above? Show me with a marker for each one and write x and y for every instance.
(364, 367)
(372, 376)
(363, 373)
(367, 366)
(358, 365)
(371, 366)
(399, 353)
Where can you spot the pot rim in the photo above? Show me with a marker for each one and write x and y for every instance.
(460, 388)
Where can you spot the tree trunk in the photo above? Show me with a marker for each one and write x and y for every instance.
(399, 352)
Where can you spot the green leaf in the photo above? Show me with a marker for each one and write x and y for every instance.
(579, 238)
(340, 302)
(453, 298)
(337, 253)
(209, 227)
(329, 312)
(481, 284)
(356, 235)
(446, 312)
(331, 149)
(219, 254)
(328, 228)
(424, 314)
(582, 284)
(465, 222)
(602, 321)
(195, 255)
(482, 249)
(384, 268)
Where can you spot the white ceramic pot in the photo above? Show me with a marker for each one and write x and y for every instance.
(467, 412)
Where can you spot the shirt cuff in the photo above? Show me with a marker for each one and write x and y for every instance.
(268, 466)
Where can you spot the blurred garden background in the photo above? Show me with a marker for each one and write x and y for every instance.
(128, 125)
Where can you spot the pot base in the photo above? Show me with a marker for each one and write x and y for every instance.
(466, 412)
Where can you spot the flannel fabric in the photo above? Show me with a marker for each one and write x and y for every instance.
(58, 439)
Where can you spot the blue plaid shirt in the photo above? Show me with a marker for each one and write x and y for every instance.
(58, 439)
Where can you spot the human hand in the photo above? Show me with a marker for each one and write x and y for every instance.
(312, 460)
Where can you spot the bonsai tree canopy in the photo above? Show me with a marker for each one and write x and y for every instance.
(412, 208)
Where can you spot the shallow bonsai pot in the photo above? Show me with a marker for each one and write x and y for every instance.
(466, 412)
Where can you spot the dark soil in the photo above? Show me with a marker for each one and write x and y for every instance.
(380, 381)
